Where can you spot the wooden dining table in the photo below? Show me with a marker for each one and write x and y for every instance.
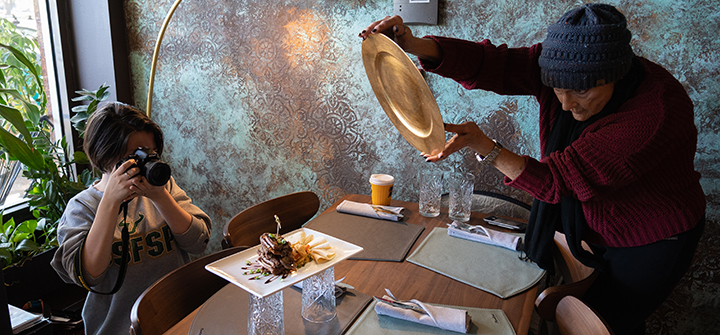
(406, 279)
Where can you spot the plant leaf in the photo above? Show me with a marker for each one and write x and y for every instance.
(85, 92)
(41, 223)
(5, 256)
(18, 237)
(31, 109)
(82, 116)
(21, 151)
(80, 157)
(27, 227)
(15, 117)
(53, 241)
(19, 56)
(8, 226)
(76, 186)
(27, 246)
(103, 93)
(83, 97)
(80, 109)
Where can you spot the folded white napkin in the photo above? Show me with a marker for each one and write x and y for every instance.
(492, 237)
(447, 318)
(373, 211)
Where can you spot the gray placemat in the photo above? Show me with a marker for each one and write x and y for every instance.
(484, 321)
(490, 268)
(227, 313)
(382, 240)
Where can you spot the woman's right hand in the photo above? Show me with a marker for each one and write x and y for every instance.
(120, 181)
(391, 26)
(467, 134)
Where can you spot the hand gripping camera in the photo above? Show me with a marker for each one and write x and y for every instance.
(155, 171)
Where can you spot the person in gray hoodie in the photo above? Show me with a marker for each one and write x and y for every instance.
(163, 226)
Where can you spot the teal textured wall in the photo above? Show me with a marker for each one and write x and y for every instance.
(262, 98)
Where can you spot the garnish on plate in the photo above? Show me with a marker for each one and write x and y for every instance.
(307, 249)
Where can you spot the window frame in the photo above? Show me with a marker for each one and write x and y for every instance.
(86, 39)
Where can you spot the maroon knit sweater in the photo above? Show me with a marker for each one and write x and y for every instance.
(632, 170)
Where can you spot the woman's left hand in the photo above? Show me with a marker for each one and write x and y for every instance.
(142, 188)
(467, 134)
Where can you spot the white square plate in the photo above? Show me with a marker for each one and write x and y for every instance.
(230, 267)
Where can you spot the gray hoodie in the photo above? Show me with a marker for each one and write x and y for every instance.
(154, 251)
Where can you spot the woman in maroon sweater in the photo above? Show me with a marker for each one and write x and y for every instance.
(618, 139)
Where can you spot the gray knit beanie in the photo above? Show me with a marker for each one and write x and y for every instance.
(589, 46)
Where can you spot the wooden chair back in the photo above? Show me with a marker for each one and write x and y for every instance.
(294, 210)
(176, 295)
(573, 317)
(577, 279)
(571, 269)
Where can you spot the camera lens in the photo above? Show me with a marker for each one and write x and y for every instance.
(157, 173)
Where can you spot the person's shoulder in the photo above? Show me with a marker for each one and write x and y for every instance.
(656, 73)
(89, 197)
(660, 83)
(660, 99)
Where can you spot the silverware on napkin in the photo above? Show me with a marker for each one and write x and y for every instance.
(468, 228)
(380, 209)
(400, 305)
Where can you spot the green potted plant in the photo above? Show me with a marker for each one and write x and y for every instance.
(26, 136)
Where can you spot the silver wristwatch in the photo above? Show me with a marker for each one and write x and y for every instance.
(492, 155)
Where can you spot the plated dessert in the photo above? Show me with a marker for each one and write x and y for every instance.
(278, 258)
(326, 251)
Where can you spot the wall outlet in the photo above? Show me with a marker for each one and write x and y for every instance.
(417, 11)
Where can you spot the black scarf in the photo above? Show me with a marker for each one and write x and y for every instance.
(567, 216)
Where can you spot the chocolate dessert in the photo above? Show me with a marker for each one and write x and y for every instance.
(274, 258)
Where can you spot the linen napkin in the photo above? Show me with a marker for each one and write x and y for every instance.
(373, 211)
(481, 234)
(447, 318)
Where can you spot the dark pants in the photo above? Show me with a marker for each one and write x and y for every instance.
(640, 279)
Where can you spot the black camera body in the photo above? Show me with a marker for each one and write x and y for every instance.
(155, 171)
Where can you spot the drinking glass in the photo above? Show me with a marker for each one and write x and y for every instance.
(461, 191)
(318, 296)
(430, 189)
(265, 315)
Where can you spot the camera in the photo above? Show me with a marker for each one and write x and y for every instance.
(155, 171)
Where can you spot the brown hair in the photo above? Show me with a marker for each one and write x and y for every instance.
(107, 132)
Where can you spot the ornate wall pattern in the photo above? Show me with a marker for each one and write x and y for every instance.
(263, 98)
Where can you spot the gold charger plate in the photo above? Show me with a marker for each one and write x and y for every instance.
(403, 94)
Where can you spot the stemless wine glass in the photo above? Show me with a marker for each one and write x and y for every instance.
(430, 190)
(461, 190)
(265, 315)
(318, 296)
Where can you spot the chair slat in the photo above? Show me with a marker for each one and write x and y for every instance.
(574, 317)
(577, 279)
(177, 294)
(294, 210)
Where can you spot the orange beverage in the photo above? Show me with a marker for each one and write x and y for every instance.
(381, 186)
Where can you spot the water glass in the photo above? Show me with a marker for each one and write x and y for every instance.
(430, 189)
(461, 191)
(318, 297)
(265, 315)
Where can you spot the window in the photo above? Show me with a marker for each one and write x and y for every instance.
(22, 22)
(82, 45)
